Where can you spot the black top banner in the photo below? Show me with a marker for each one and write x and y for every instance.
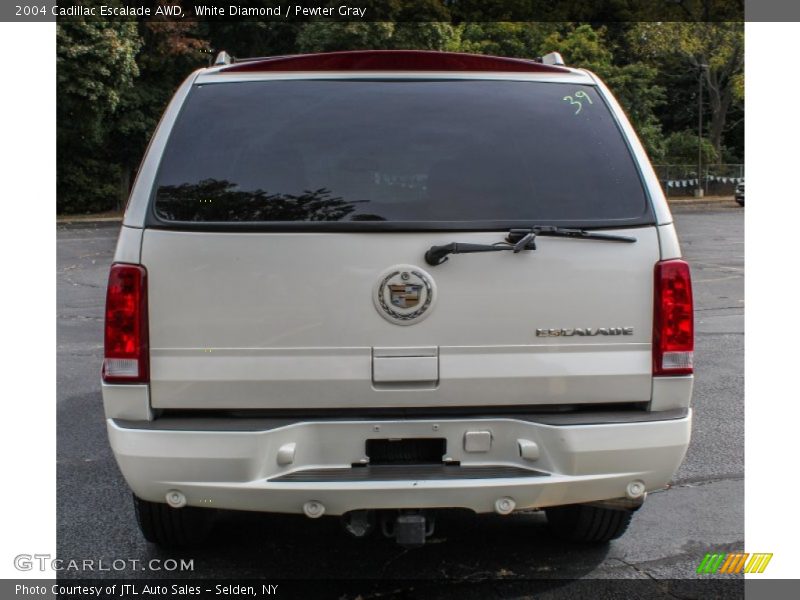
(453, 11)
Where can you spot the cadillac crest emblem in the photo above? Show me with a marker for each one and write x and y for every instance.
(404, 294)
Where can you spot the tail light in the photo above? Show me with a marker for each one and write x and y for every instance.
(126, 343)
(673, 319)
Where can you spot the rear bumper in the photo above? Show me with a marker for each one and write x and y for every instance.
(239, 469)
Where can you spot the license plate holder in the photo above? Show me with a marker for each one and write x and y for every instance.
(406, 451)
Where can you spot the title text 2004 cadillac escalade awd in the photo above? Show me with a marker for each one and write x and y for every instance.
(377, 284)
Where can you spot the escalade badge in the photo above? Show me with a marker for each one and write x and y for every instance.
(584, 331)
(404, 294)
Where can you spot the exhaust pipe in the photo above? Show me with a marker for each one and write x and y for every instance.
(359, 523)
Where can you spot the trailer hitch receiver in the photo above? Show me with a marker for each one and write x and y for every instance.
(409, 528)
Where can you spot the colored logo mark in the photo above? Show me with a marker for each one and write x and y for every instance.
(735, 562)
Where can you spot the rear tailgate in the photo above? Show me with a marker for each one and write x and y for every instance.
(280, 207)
(258, 320)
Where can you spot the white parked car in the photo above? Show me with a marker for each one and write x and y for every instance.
(378, 284)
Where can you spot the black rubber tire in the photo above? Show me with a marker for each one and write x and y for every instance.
(172, 527)
(587, 524)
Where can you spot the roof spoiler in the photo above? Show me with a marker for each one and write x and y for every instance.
(392, 60)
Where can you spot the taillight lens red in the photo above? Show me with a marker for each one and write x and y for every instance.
(673, 319)
(126, 341)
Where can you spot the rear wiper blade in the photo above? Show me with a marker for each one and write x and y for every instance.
(518, 240)
(553, 231)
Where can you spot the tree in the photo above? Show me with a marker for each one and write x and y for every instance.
(325, 37)
(171, 49)
(681, 148)
(414, 24)
(520, 40)
(718, 45)
(252, 38)
(379, 35)
(96, 66)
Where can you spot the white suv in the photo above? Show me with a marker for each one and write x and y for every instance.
(378, 284)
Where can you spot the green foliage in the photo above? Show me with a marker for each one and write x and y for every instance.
(85, 183)
(170, 51)
(520, 40)
(328, 37)
(430, 31)
(324, 37)
(737, 85)
(252, 38)
(581, 46)
(715, 44)
(680, 148)
(96, 66)
(428, 36)
(713, 51)
(95, 62)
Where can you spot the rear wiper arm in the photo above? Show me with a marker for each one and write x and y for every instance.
(436, 255)
(518, 240)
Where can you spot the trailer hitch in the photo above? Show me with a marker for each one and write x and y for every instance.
(409, 528)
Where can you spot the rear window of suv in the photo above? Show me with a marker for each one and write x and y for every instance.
(413, 153)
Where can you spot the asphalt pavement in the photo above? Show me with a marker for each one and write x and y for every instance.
(702, 511)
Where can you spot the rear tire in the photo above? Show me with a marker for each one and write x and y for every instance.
(586, 523)
(172, 527)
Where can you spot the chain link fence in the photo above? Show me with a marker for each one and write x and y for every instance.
(716, 180)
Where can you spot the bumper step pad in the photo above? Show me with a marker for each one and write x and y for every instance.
(403, 472)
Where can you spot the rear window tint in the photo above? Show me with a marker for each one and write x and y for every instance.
(471, 153)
